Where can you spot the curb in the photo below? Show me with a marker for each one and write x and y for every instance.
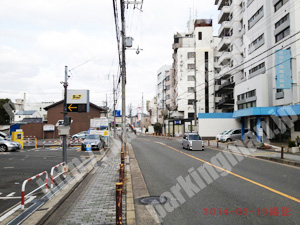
(283, 161)
(130, 209)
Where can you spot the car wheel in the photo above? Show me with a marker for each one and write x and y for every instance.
(182, 146)
(188, 147)
(75, 137)
(228, 140)
(3, 148)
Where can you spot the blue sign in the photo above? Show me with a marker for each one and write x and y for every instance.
(177, 122)
(283, 69)
(88, 147)
(118, 113)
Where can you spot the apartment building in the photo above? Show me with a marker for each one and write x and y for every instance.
(260, 64)
(194, 68)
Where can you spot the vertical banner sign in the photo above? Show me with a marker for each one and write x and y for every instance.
(283, 69)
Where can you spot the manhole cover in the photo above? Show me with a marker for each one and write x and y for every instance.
(153, 200)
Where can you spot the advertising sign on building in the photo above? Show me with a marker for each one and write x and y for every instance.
(283, 69)
(49, 127)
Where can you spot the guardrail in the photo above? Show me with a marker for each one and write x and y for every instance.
(30, 179)
(52, 171)
(30, 139)
(55, 143)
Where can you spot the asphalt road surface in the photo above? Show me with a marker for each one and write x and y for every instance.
(251, 191)
(15, 167)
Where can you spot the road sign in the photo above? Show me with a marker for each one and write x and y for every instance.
(260, 132)
(105, 133)
(76, 108)
(88, 147)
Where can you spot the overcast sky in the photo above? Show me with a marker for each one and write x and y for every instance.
(38, 38)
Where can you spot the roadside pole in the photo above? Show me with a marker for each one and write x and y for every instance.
(123, 72)
(64, 156)
(114, 93)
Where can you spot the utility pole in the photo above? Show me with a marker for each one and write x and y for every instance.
(64, 156)
(123, 71)
(142, 112)
(114, 93)
(195, 85)
(163, 106)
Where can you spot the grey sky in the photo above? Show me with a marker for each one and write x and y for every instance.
(38, 38)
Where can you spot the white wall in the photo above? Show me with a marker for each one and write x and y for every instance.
(213, 127)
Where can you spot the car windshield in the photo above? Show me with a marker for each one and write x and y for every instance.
(228, 131)
(2, 139)
(194, 137)
(92, 136)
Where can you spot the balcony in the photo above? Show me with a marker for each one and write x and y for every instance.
(224, 14)
(224, 28)
(225, 101)
(226, 56)
(224, 43)
(176, 45)
(226, 87)
(221, 3)
(225, 72)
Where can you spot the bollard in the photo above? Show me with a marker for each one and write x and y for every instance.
(281, 151)
(208, 142)
(122, 157)
(35, 142)
(119, 187)
(227, 144)
(217, 144)
(121, 172)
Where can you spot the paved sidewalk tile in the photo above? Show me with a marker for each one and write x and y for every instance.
(97, 204)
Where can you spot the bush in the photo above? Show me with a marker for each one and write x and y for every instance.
(158, 128)
(291, 143)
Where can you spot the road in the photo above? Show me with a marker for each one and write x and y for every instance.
(250, 191)
(15, 167)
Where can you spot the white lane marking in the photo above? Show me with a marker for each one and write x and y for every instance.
(5, 198)
(6, 215)
(11, 194)
(9, 167)
(17, 183)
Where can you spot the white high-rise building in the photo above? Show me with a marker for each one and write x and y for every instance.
(193, 56)
(260, 59)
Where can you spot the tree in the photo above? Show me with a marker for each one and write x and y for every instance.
(6, 107)
(158, 128)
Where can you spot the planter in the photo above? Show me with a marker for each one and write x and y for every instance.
(294, 150)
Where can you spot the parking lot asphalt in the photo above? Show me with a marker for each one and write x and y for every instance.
(15, 167)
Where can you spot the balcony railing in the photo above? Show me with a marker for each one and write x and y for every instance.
(224, 14)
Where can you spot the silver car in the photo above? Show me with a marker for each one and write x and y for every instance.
(6, 145)
(95, 140)
(192, 141)
(220, 136)
(234, 135)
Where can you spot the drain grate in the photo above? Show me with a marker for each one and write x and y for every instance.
(153, 200)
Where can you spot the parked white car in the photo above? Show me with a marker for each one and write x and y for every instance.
(233, 135)
(192, 141)
(6, 145)
(219, 136)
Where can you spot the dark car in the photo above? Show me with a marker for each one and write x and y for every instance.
(95, 140)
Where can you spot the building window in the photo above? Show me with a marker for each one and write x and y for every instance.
(255, 18)
(191, 55)
(282, 20)
(280, 4)
(256, 68)
(199, 35)
(257, 40)
(167, 78)
(190, 115)
(190, 89)
(297, 126)
(247, 105)
(191, 66)
(191, 102)
(191, 78)
(282, 34)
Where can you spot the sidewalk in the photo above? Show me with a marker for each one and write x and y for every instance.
(97, 203)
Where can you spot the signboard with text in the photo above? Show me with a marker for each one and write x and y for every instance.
(78, 100)
(283, 69)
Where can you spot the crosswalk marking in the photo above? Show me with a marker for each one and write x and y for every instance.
(11, 194)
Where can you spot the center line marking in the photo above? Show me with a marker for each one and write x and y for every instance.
(234, 174)
(9, 167)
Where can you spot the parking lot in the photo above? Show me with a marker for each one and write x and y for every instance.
(15, 167)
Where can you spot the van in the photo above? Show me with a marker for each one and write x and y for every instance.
(192, 141)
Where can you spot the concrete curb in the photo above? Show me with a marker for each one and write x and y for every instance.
(283, 161)
(143, 215)
(130, 210)
(39, 217)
